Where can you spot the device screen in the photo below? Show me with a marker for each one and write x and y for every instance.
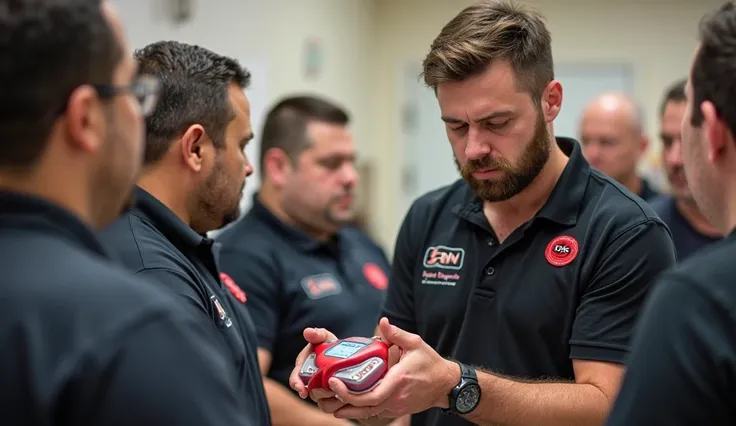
(344, 349)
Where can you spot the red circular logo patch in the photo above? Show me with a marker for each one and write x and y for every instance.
(561, 250)
(375, 275)
(235, 290)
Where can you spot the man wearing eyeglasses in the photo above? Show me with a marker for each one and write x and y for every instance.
(193, 177)
(84, 341)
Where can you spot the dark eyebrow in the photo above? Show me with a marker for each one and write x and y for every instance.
(497, 114)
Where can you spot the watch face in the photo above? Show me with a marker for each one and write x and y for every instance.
(467, 398)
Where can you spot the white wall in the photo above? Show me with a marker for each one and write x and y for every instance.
(368, 42)
(657, 37)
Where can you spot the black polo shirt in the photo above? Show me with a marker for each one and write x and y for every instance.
(687, 239)
(682, 369)
(568, 284)
(86, 343)
(293, 282)
(154, 243)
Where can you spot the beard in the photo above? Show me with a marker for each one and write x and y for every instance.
(217, 200)
(514, 178)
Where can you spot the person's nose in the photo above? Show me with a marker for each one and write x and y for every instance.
(476, 145)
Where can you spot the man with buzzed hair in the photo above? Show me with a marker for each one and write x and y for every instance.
(296, 253)
(613, 140)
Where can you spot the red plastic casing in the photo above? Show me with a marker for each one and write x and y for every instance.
(328, 366)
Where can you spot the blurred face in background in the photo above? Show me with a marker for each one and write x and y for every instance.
(319, 188)
(499, 136)
(612, 142)
(671, 136)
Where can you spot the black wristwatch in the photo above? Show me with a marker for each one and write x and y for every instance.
(465, 396)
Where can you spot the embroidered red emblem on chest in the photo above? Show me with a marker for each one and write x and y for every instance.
(561, 251)
(235, 290)
(375, 275)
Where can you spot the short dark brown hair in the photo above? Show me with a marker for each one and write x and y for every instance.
(714, 66)
(674, 93)
(47, 50)
(489, 31)
(194, 90)
(286, 124)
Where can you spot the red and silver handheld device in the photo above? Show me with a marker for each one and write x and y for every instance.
(359, 362)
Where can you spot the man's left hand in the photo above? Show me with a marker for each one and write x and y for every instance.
(420, 380)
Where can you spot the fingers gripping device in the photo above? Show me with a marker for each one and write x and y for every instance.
(359, 362)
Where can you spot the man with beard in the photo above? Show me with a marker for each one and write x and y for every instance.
(296, 253)
(85, 342)
(690, 229)
(682, 368)
(193, 175)
(528, 274)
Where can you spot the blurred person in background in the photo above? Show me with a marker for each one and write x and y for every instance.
(690, 229)
(514, 291)
(613, 140)
(682, 368)
(85, 342)
(295, 254)
(192, 181)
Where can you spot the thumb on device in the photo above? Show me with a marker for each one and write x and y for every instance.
(316, 336)
(393, 335)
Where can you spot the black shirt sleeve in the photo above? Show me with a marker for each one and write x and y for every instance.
(255, 273)
(162, 372)
(682, 361)
(399, 304)
(611, 303)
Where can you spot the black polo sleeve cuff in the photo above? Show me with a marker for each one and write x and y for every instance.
(598, 353)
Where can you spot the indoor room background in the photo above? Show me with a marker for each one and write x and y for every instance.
(366, 55)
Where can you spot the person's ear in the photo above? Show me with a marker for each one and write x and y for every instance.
(716, 132)
(194, 144)
(552, 100)
(277, 166)
(85, 119)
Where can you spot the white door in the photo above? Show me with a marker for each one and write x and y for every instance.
(427, 161)
(581, 83)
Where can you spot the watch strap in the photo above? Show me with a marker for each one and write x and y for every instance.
(467, 374)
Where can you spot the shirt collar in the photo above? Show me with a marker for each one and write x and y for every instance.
(290, 233)
(26, 211)
(564, 202)
(169, 224)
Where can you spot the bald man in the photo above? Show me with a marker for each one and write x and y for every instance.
(613, 140)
